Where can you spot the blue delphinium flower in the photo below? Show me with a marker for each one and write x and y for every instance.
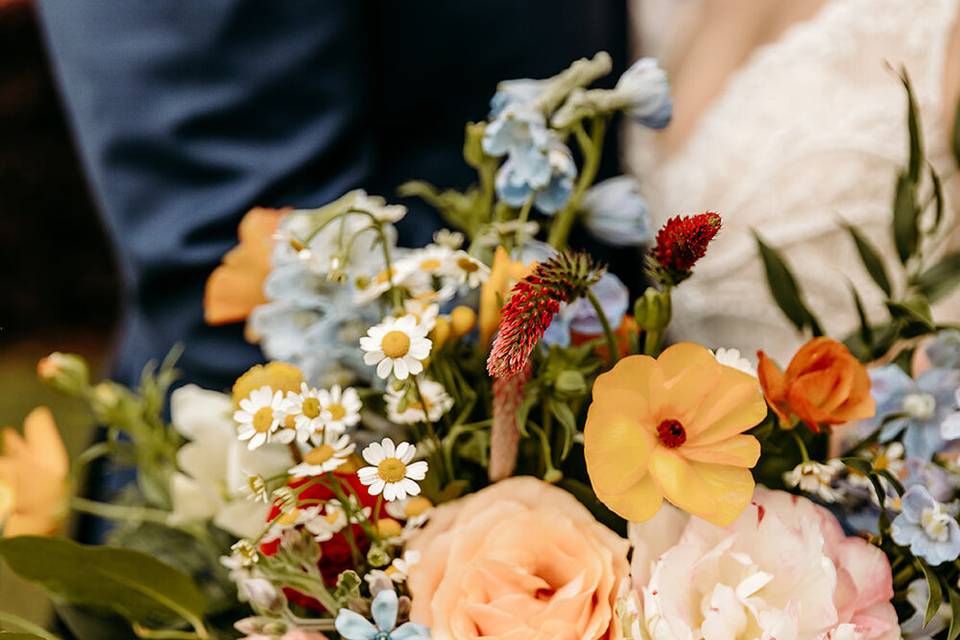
(616, 213)
(511, 92)
(950, 429)
(563, 171)
(925, 525)
(645, 83)
(353, 626)
(944, 350)
(547, 173)
(919, 406)
(519, 128)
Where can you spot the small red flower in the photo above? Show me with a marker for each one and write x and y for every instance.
(680, 243)
(533, 303)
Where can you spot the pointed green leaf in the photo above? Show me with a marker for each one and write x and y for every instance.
(940, 279)
(130, 583)
(905, 213)
(936, 593)
(866, 333)
(916, 313)
(893, 480)
(937, 198)
(564, 415)
(913, 127)
(871, 259)
(955, 615)
(786, 292)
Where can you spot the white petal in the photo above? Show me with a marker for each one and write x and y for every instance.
(375, 488)
(374, 453)
(413, 364)
(373, 357)
(401, 451)
(384, 368)
(401, 368)
(417, 470)
(411, 487)
(389, 449)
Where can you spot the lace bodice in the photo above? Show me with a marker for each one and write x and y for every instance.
(808, 132)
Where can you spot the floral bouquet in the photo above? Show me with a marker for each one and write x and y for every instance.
(486, 437)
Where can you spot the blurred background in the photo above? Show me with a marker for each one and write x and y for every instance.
(58, 284)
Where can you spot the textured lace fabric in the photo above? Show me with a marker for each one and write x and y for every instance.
(809, 132)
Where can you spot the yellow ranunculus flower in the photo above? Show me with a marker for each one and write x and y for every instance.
(504, 273)
(672, 428)
(279, 376)
(33, 477)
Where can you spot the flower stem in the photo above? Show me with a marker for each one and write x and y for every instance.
(800, 445)
(591, 146)
(120, 512)
(437, 443)
(614, 354)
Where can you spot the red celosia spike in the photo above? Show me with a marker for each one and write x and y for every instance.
(683, 240)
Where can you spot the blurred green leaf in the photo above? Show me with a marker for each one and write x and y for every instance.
(905, 214)
(130, 583)
(564, 415)
(866, 333)
(10, 635)
(936, 593)
(955, 617)
(786, 292)
(871, 259)
(916, 314)
(937, 185)
(913, 126)
(940, 279)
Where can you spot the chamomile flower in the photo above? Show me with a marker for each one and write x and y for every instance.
(392, 474)
(260, 416)
(304, 413)
(424, 310)
(397, 346)
(341, 410)
(405, 407)
(377, 207)
(336, 514)
(297, 517)
(370, 289)
(414, 510)
(467, 270)
(816, 478)
(732, 358)
(324, 458)
(447, 238)
(329, 524)
(400, 567)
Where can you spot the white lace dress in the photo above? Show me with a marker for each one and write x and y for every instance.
(811, 130)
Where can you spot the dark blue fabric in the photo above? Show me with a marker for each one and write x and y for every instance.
(189, 112)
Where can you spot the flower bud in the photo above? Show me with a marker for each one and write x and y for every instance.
(378, 556)
(473, 144)
(440, 332)
(262, 595)
(246, 552)
(653, 311)
(285, 499)
(257, 486)
(462, 320)
(389, 528)
(571, 383)
(65, 372)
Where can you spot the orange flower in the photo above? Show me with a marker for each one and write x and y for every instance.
(33, 472)
(504, 273)
(672, 428)
(235, 288)
(823, 385)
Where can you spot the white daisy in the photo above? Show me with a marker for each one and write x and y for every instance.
(396, 345)
(369, 289)
(336, 515)
(400, 567)
(291, 520)
(324, 458)
(306, 410)
(816, 478)
(392, 473)
(424, 310)
(435, 397)
(329, 524)
(467, 270)
(732, 358)
(447, 238)
(341, 410)
(259, 416)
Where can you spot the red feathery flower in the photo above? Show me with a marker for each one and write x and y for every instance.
(533, 303)
(680, 243)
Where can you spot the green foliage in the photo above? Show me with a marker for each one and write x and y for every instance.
(130, 583)
(871, 259)
(786, 292)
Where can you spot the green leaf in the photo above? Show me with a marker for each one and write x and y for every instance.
(892, 479)
(916, 313)
(871, 259)
(866, 333)
(785, 290)
(937, 198)
(9, 635)
(564, 415)
(861, 465)
(905, 213)
(940, 279)
(955, 615)
(936, 593)
(130, 583)
(913, 126)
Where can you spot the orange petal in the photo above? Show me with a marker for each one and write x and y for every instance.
(45, 442)
(715, 492)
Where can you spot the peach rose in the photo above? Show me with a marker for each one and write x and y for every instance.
(823, 385)
(519, 560)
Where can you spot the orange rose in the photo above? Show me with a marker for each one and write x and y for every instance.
(235, 288)
(520, 559)
(824, 385)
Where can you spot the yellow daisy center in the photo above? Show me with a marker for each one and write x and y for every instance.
(311, 407)
(263, 420)
(383, 277)
(290, 422)
(395, 344)
(392, 470)
(467, 265)
(289, 518)
(318, 455)
(336, 411)
(430, 264)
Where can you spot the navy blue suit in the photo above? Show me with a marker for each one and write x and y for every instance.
(189, 112)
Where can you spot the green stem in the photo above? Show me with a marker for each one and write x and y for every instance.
(614, 354)
(26, 625)
(592, 147)
(437, 443)
(120, 512)
(800, 445)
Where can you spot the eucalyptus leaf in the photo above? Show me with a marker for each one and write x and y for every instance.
(936, 593)
(786, 292)
(871, 259)
(130, 583)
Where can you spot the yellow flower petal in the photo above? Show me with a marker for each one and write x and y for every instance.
(715, 492)
(640, 502)
(739, 451)
(616, 452)
(733, 406)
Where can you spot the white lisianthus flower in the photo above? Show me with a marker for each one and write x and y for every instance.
(732, 358)
(397, 346)
(392, 474)
(260, 416)
(435, 400)
(816, 479)
(324, 458)
(214, 465)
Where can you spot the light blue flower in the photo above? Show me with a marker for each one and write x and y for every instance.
(519, 128)
(926, 526)
(646, 85)
(950, 429)
(919, 406)
(513, 92)
(616, 213)
(352, 626)
(545, 173)
(944, 350)
(581, 317)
